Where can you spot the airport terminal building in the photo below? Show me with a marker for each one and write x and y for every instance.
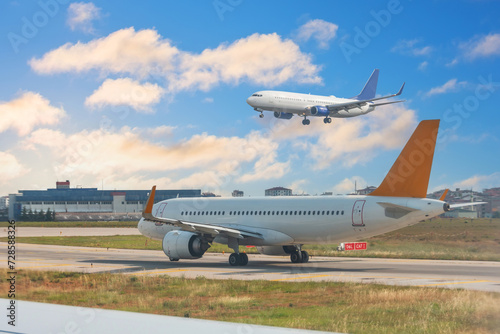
(88, 203)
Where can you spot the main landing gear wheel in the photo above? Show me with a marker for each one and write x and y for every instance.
(302, 257)
(327, 120)
(238, 259)
(306, 121)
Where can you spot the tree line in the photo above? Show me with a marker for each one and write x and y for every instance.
(37, 216)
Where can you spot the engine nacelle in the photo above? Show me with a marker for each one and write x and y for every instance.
(184, 245)
(275, 250)
(283, 115)
(320, 111)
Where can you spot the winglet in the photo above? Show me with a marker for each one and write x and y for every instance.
(409, 175)
(401, 89)
(443, 196)
(148, 209)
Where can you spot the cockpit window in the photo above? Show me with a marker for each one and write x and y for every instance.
(257, 95)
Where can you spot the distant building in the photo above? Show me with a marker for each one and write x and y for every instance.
(327, 193)
(278, 191)
(461, 213)
(88, 203)
(4, 202)
(238, 193)
(365, 191)
(62, 185)
(459, 196)
(209, 194)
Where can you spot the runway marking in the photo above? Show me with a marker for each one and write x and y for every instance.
(301, 277)
(451, 283)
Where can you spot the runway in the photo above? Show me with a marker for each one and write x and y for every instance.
(70, 231)
(472, 275)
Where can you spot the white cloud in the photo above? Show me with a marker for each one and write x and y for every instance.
(125, 92)
(347, 185)
(423, 66)
(26, 112)
(10, 168)
(124, 154)
(408, 47)
(478, 182)
(208, 100)
(138, 53)
(320, 30)
(451, 85)
(354, 141)
(482, 46)
(297, 186)
(81, 15)
(266, 168)
(263, 59)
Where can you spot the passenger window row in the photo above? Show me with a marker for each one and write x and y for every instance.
(265, 213)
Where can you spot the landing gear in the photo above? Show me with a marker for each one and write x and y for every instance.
(261, 115)
(299, 257)
(238, 259)
(327, 120)
(305, 121)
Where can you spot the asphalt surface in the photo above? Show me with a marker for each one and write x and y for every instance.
(472, 275)
(69, 231)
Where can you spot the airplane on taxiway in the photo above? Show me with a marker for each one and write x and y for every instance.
(286, 104)
(281, 225)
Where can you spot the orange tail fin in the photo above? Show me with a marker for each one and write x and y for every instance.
(409, 176)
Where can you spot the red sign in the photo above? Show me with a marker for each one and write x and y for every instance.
(355, 245)
(360, 245)
(349, 246)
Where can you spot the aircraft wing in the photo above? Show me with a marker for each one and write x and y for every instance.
(360, 103)
(213, 230)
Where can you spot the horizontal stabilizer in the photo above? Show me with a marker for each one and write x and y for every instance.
(461, 205)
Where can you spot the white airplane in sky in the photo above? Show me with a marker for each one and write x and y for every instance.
(286, 104)
(281, 225)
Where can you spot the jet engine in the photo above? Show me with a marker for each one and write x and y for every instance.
(320, 111)
(275, 250)
(184, 245)
(283, 115)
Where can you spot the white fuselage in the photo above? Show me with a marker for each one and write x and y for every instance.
(293, 220)
(300, 104)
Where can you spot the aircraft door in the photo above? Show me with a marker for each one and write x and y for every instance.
(357, 213)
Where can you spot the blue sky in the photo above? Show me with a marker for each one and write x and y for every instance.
(127, 95)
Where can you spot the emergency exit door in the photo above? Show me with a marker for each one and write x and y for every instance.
(357, 213)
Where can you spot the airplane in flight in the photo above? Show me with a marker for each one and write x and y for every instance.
(282, 225)
(286, 104)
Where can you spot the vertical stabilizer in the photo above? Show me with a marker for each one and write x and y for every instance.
(370, 88)
(409, 175)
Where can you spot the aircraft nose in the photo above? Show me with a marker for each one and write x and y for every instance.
(249, 100)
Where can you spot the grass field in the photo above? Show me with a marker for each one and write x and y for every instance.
(329, 306)
(449, 239)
